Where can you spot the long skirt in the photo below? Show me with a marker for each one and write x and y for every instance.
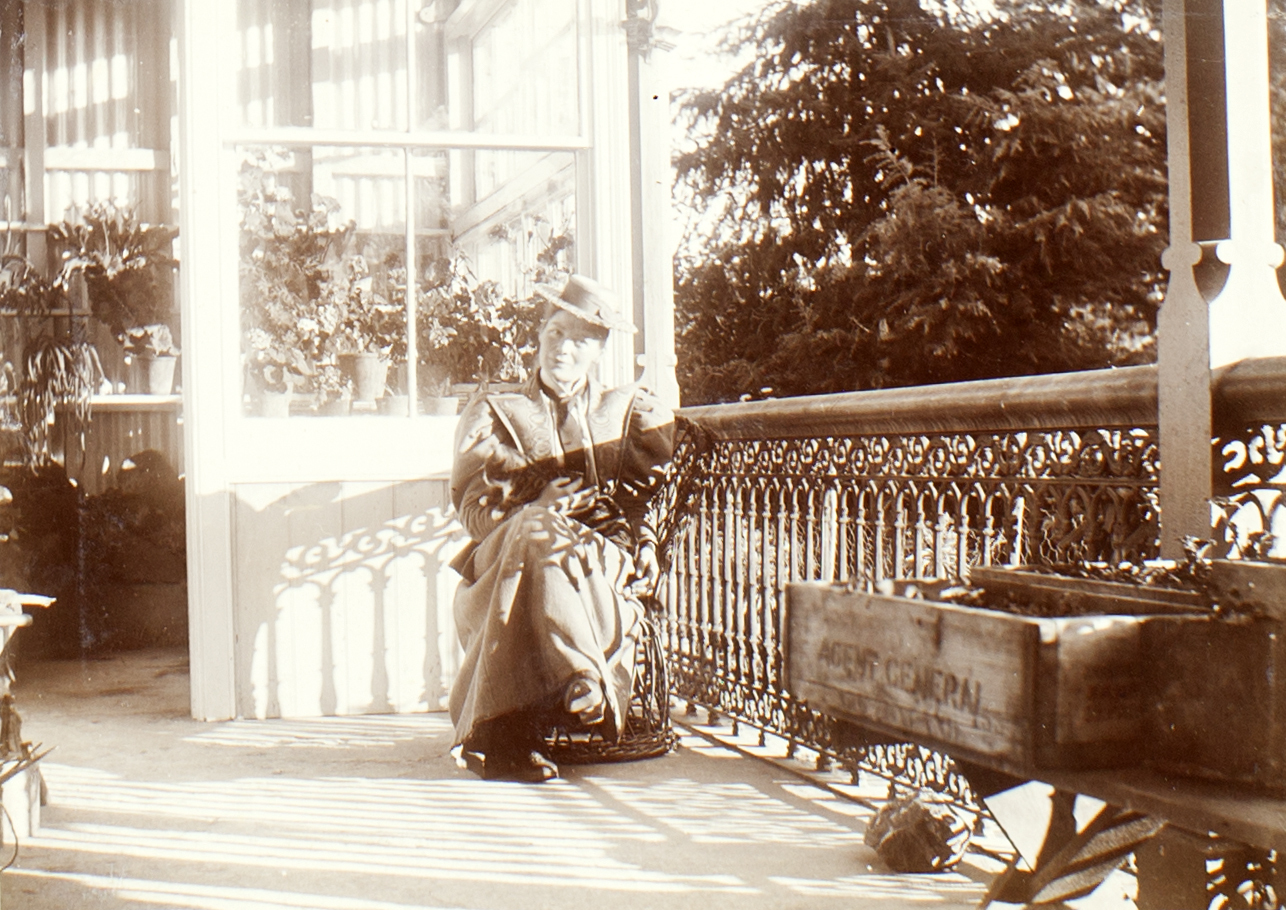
(541, 602)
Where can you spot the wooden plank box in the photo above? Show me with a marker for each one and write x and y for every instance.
(1220, 706)
(1017, 693)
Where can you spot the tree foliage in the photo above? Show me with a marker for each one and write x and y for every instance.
(898, 193)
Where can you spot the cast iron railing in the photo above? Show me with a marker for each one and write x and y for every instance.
(921, 483)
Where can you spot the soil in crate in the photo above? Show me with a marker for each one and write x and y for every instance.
(1126, 590)
(1214, 657)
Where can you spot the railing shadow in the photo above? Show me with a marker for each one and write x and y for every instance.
(344, 598)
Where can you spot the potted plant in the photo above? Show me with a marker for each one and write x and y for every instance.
(285, 255)
(433, 386)
(368, 328)
(57, 374)
(334, 390)
(470, 331)
(24, 292)
(45, 372)
(122, 267)
(435, 390)
(275, 367)
(152, 348)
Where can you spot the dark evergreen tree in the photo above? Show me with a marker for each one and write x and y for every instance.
(896, 193)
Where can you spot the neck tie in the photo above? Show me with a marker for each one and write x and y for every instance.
(570, 416)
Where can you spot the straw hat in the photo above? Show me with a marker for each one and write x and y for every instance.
(586, 299)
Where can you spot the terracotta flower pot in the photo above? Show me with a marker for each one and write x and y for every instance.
(393, 405)
(158, 373)
(274, 404)
(336, 407)
(442, 406)
(369, 373)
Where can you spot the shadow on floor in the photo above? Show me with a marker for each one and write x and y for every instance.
(149, 808)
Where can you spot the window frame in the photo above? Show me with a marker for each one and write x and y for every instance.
(460, 28)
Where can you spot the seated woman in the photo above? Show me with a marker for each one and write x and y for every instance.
(552, 483)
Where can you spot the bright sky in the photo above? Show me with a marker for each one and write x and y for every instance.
(694, 62)
(704, 15)
(693, 26)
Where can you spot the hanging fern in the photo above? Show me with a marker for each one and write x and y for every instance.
(58, 375)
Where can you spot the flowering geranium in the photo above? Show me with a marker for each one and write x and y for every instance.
(470, 330)
(331, 382)
(365, 321)
(286, 253)
(156, 340)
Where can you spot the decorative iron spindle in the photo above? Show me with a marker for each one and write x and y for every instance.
(744, 513)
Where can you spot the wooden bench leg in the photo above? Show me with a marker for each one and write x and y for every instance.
(1172, 871)
(1072, 863)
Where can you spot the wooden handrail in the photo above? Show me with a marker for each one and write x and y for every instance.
(1244, 393)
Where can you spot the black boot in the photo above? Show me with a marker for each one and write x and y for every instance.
(514, 749)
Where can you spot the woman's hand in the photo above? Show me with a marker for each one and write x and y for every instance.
(647, 570)
(565, 495)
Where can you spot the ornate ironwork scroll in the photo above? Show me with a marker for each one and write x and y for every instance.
(1250, 492)
(741, 518)
(917, 484)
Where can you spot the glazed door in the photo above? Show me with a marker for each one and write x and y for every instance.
(383, 182)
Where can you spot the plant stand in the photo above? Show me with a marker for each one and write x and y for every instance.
(20, 782)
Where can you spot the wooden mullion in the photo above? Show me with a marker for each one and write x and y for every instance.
(34, 131)
(155, 102)
(11, 126)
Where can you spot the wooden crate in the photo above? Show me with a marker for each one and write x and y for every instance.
(1018, 693)
(1219, 709)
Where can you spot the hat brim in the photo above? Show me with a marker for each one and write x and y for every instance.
(555, 296)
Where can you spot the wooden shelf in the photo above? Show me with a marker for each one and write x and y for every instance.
(1249, 815)
(131, 402)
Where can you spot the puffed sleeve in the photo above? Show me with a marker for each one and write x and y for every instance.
(483, 454)
(644, 459)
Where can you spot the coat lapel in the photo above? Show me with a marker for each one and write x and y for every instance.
(525, 415)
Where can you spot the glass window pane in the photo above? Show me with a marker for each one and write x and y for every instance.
(477, 307)
(106, 85)
(349, 64)
(323, 242)
(339, 64)
(524, 70)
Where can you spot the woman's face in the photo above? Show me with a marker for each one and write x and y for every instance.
(569, 348)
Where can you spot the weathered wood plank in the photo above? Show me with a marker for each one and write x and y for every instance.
(260, 537)
(1019, 693)
(426, 592)
(962, 677)
(1100, 680)
(363, 602)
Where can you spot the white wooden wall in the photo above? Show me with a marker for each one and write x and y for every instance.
(317, 548)
(343, 597)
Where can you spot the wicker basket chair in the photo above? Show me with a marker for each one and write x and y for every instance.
(647, 730)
